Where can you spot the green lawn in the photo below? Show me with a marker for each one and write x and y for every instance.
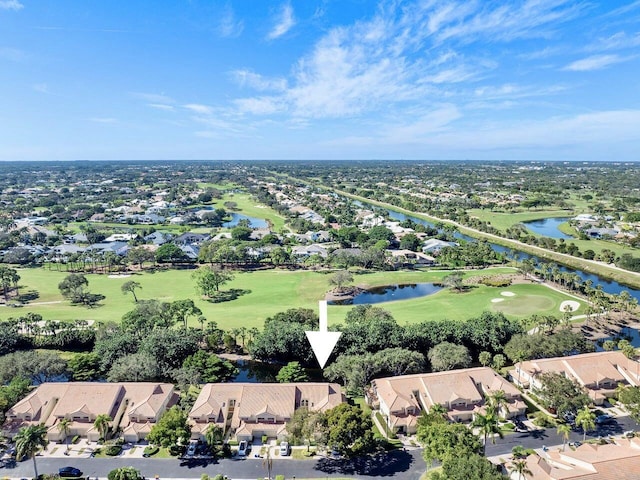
(502, 220)
(248, 206)
(272, 291)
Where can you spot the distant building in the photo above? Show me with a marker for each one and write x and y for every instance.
(433, 245)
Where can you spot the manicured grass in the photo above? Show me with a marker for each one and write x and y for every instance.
(248, 206)
(302, 454)
(271, 291)
(503, 220)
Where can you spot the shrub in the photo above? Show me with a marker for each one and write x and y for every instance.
(113, 450)
(495, 282)
(150, 451)
(264, 439)
(177, 450)
(279, 477)
(75, 439)
(543, 420)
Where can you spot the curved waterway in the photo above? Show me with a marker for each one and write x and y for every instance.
(609, 286)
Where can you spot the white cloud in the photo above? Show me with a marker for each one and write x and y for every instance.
(229, 26)
(284, 22)
(14, 5)
(154, 97)
(617, 41)
(103, 120)
(574, 131)
(594, 62)
(161, 106)
(258, 106)
(12, 54)
(198, 108)
(254, 80)
(41, 87)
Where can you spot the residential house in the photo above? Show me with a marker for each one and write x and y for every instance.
(599, 373)
(134, 407)
(462, 393)
(191, 238)
(121, 237)
(119, 248)
(158, 238)
(619, 461)
(304, 251)
(409, 257)
(433, 245)
(250, 410)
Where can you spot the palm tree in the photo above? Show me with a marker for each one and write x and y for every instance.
(587, 420)
(520, 466)
(488, 426)
(29, 441)
(102, 424)
(64, 427)
(213, 436)
(564, 429)
(496, 400)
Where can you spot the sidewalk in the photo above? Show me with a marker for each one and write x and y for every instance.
(84, 449)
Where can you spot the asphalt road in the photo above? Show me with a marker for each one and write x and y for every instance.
(398, 464)
(549, 437)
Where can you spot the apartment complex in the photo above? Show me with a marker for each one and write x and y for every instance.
(133, 407)
(462, 393)
(250, 410)
(599, 373)
(615, 461)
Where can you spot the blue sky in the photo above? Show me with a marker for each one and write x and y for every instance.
(320, 79)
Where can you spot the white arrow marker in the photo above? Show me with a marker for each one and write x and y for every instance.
(323, 342)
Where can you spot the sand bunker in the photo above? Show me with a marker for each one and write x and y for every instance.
(120, 276)
(572, 304)
(496, 300)
(507, 294)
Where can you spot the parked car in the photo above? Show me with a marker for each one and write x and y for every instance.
(69, 472)
(191, 449)
(243, 448)
(602, 419)
(284, 449)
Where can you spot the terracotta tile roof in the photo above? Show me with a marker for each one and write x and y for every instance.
(257, 403)
(619, 461)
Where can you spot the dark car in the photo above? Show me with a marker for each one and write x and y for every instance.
(69, 472)
(602, 419)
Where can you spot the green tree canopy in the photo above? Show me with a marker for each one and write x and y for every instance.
(292, 372)
(349, 430)
(447, 356)
(561, 393)
(172, 428)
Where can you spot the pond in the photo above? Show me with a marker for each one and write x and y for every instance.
(389, 293)
(548, 227)
(254, 222)
(253, 371)
(631, 334)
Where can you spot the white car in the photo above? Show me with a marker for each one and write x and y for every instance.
(243, 448)
(284, 449)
